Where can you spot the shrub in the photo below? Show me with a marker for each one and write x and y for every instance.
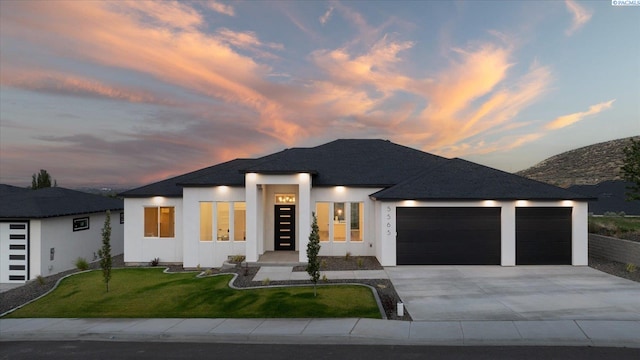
(266, 281)
(40, 279)
(347, 256)
(208, 272)
(237, 259)
(360, 263)
(155, 262)
(81, 264)
(631, 268)
(325, 278)
(323, 264)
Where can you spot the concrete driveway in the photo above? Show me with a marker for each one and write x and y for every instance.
(514, 293)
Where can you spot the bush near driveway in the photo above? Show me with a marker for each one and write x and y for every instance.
(150, 293)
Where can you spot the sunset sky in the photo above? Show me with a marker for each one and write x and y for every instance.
(124, 93)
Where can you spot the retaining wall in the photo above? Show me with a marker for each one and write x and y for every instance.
(624, 251)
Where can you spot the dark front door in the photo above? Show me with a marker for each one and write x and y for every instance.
(285, 227)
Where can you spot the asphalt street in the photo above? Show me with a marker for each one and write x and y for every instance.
(83, 350)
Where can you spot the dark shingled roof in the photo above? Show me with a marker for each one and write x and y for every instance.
(10, 189)
(611, 197)
(227, 173)
(349, 162)
(406, 173)
(53, 201)
(459, 179)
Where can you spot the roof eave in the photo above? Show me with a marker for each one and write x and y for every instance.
(478, 199)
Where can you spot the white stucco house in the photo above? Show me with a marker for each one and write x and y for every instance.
(371, 197)
(43, 232)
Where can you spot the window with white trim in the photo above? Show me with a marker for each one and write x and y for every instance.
(159, 221)
(340, 221)
(227, 220)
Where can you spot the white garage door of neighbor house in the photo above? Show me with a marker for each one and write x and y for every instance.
(14, 246)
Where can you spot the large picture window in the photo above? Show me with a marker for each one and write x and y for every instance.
(239, 221)
(339, 225)
(206, 221)
(229, 220)
(222, 216)
(324, 220)
(340, 222)
(159, 221)
(357, 221)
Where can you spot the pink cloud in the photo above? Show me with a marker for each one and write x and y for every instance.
(361, 88)
(180, 55)
(68, 84)
(566, 120)
(580, 16)
(221, 8)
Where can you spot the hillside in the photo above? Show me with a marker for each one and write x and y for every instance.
(588, 165)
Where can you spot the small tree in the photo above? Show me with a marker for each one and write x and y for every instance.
(42, 180)
(631, 169)
(105, 251)
(313, 248)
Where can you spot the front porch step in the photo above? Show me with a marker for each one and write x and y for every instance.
(265, 264)
(278, 258)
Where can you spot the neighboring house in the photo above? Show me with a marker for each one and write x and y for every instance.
(43, 232)
(611, 197)
(371, 198)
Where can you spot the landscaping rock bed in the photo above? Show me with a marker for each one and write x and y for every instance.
(616, 268)
(345, 263)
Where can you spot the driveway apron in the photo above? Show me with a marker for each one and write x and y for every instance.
(514, 293)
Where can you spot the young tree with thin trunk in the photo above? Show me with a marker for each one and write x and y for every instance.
(631, 169)
(313, 248)
(105, 251)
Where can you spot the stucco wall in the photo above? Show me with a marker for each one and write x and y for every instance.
(68, 245)
(624, 251)
(140, 249)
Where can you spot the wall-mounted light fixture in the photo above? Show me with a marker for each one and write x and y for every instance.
(285, 199)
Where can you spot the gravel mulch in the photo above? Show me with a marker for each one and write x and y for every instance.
(344, 263)
(615, 268)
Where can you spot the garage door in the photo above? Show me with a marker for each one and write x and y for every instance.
(448, 236)
(543, 236)
(14, 252)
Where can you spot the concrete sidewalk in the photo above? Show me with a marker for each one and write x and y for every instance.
(334, 331)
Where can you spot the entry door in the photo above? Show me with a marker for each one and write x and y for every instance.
(285, 227)
(14, 252)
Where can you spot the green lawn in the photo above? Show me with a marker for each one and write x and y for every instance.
(150, 293)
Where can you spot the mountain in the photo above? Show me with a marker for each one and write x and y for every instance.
(588, 165)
